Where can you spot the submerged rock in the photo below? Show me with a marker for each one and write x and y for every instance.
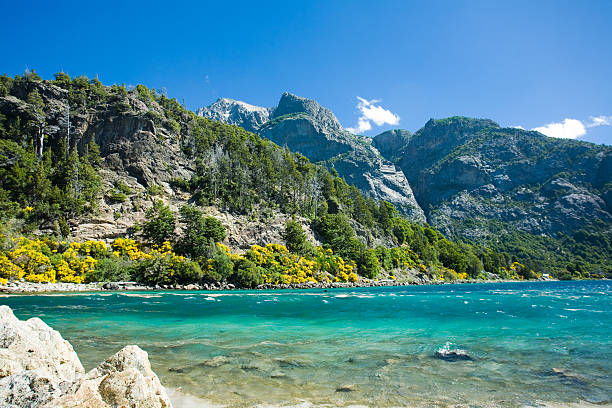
(347, 388)
(447, 353)
(568, 376)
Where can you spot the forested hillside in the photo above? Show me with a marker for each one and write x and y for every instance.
(162, 186)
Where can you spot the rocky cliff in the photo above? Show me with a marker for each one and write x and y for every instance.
(38, 368)
(306, 127)
(142, 152)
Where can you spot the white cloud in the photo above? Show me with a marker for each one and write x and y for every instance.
(370, 112)
(517, 127)
(568, 129)
(600, 121)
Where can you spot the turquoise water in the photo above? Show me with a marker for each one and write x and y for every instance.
(532, 343)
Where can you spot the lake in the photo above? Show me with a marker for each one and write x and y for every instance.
(520, 344)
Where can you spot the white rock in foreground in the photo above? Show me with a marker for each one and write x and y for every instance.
(124, 380)
(36, 363)
(38, 368)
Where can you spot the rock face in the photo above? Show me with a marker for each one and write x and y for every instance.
(138, 148)
(237, 113)
(470, 173)
(38, 368)
(306, 127)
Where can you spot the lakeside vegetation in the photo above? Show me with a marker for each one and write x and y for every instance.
(49, 179)
(47, 260)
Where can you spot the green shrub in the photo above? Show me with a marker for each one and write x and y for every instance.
(110, 270)
(222, 265)
(449, 275)
(160, 224)
(117, 196)
(368, 264)
(123, 188)
(246, 274)
(154, 190)
(166, 269)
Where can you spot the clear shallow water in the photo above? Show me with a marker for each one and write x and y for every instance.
(532, 343)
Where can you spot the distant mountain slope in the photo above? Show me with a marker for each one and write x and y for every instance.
(306, 127)
(479, 181)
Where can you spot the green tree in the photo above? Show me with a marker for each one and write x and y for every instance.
(337, 233)
(198, 231)
(62, 80)
(160, 224)
(246, 274)
(368, 264)
(295, 239)
(222, 265)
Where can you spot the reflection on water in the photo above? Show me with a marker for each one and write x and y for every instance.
(523, 344)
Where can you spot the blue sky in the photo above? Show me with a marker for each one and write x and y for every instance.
(520, 63)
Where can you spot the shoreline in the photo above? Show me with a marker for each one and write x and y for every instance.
(15, 288)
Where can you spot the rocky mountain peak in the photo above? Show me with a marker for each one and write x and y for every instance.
(391, 141)
(291, 104)
(306, 127)
(247, 116)
(458, 126)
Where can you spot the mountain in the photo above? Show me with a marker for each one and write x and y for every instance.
(488, 184)
(81, 161)
(513, 190)
(306, 127)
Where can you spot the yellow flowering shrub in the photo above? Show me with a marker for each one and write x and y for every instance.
(129, 248)
(32, 256)
(282, 266)
(8, 270)
(335, 265)
(44, 260)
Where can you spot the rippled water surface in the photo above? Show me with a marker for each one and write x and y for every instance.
(530, 343)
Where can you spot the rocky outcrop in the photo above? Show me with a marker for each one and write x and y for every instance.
(38, 368)
(310, 129)
(391, 141)
(36, 363)
(124, 380)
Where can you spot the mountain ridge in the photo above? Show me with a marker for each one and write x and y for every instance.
(474, 179)
(310, 129)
